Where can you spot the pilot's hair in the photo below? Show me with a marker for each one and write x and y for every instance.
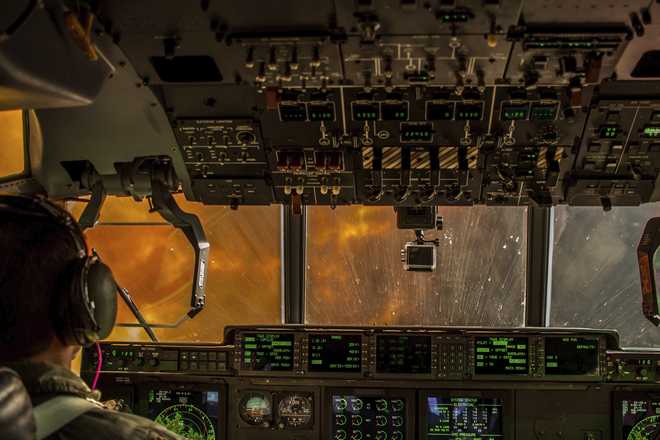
(34, 253)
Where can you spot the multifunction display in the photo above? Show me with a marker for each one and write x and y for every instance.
(641, 419)
(267, 352)
(463, 418)
(190, 414)
(571, 356)
(335, 353)
(403, 354)
(368, 418)
(501, 355)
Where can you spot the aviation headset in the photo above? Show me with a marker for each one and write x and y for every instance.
(86, 309)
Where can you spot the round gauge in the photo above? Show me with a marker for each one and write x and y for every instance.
(647, 428)
(296, 410)
(256, 409)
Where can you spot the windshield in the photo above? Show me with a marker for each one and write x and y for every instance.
(595, 278)
(354, 275)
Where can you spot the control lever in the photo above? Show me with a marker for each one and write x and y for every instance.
(508, 137)
(366, 138)
(646, 252)
(467, 136)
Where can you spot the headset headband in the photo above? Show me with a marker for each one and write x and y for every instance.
(41, 207)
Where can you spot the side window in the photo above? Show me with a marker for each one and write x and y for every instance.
(12, 147)
(154, 261)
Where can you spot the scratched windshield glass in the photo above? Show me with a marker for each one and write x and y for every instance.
(595, 277)
(355, 275)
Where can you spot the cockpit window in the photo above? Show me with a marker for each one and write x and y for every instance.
(595, 278)
(12, 146)
(355, 275)
(154, 261)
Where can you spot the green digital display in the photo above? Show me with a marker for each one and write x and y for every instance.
(543, 112)
(469, 112)
(416, 132)
(470, 418)
(321, 112)
(501, 355)
(514, 112)
(651, 131)
(394, 111)
(191, 414)
(403, 354)
(440, 111)
(571, 356)
(267, 352)
(335, 353)
(293, 112)
(365, 112)
(609, 131)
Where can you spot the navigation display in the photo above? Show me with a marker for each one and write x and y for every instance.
(267, 352)
(335, 353)
(403, 354)
(571, 356)
(453, 418)
(641, 419)
(501, 355)
(368, 418)
(190, 414)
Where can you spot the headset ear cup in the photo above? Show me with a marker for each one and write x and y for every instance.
(102, 294)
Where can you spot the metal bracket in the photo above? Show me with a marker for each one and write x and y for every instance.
(92, 212)
(165, 205)
(157, 179)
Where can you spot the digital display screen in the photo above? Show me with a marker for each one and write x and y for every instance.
(368, 418)
(416, 132)
(394, 111)
(473, 418)
(322, 112)
(293, 112)
(501, 355)
(651, 131)
(335, 353)
(267, 352)
(543, 112)
(402, 354)
(439, 111)
(609, 131)
(641, 419)
(365, 112)
(469, 112)
(190, 414)
(571, 356)
(514, 112)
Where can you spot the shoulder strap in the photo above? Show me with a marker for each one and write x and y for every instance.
(54, 414)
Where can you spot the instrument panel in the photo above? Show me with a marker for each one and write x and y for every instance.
(403, 103)
(422, 355)
(345, 383)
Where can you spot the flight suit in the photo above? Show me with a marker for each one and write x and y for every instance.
(44, 381)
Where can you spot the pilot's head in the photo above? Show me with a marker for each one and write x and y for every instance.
(54, 296)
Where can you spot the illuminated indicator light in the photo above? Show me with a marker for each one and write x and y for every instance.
(609, 131)
(651, 131)
(514, 112)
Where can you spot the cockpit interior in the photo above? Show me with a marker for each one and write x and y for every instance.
(356, 219)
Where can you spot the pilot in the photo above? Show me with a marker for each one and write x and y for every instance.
(54, 298)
